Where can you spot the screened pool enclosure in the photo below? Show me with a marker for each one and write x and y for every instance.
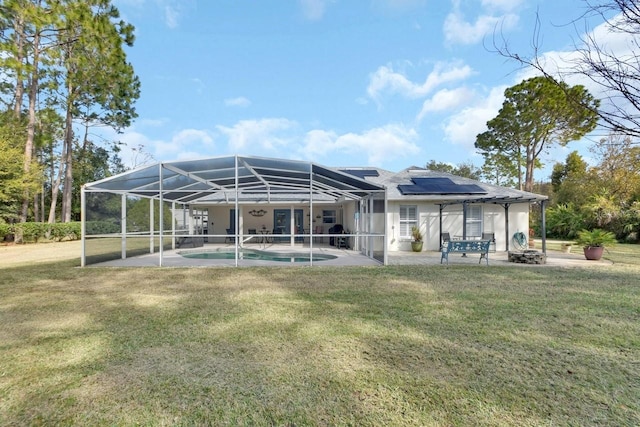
(232, 203)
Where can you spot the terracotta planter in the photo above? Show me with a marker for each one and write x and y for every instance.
(593, 253)
(416, 246)
(566, 248)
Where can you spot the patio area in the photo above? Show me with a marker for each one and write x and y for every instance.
(500, 258)
(343, 257)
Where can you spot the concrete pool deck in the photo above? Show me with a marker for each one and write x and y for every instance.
(172, 258)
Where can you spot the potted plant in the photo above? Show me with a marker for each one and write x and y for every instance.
(566, 247)
(532, 243)
(416, 244)
(594, 241)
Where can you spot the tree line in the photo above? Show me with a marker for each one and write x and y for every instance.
(545, 110)
(64, 73)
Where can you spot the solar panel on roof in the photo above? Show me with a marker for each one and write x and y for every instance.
(361, 173)
(424, 186)
(421, 180)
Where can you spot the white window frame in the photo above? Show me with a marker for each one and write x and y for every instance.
(329, 216)
(408, 219)
(474, 221)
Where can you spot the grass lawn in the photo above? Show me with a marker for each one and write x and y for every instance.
(463, 345)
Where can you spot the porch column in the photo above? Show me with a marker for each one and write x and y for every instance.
(240, 229)
(464, 220)
(440, 226)
(123, 226)
(83, 228)
(311, 217)
(370, 227)
(292, 226)
(543, 228)
(506, 224)
(236, 207)
(184, 218)
(173, 225)
(385, 254)
(151, 226)
(161, 218)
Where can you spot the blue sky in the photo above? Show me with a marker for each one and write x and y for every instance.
(388, 83)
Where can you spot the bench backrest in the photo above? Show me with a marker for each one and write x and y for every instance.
(467, 246)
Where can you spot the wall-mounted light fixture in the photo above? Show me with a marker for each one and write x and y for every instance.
(260, 212)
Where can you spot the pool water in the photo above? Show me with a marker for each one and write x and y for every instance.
(247, 254)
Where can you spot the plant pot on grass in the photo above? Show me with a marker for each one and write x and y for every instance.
(416, 244)
(566, 247)
(594, 242)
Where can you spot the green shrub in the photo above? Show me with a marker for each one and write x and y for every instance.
(64, 230)
(5, 230)
(101, 227)
(564, 221)
(36, 231)
(29, 231)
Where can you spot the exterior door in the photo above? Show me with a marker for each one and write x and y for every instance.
(232, 220)
(282, 221)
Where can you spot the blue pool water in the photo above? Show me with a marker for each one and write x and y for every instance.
(248, 254)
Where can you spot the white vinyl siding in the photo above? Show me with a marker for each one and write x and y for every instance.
(408, 219)
(474, 221)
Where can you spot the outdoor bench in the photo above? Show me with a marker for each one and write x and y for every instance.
(466, 247)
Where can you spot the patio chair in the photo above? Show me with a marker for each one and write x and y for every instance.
(230, 236)
(278, 239)
(491, 237)
(336, 229)
(445, 238)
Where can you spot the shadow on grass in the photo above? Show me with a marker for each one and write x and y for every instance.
(365, 346)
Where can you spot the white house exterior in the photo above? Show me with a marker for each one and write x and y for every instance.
(236, 199)
(491, 209)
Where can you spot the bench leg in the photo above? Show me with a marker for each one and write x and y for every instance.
(485, 256)
(445, 255)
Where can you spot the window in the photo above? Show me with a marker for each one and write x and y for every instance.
(329, 216)
(408, 219)
(474, 221)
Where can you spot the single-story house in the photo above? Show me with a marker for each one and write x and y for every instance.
(241, 200)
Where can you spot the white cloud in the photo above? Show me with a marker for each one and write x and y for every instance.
(505, 5)
(137, 146)
(566, 63)
(379, 145)
(199, 84)
(180, 142)
(463, 127)
(385, 79)
(313, 10)
(258, 134)
(240, 101)
(493, 14)
(458, 31)
(446, 99)
(171, 16)
(133, 142)
(319, 142)
(151, 122)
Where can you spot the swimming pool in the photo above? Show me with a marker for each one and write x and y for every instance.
(255, 255)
